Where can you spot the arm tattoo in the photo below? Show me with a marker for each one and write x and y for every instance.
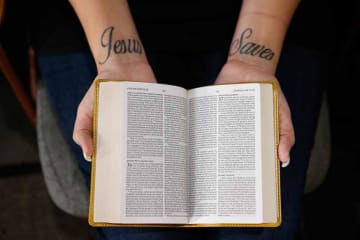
(120, 46)
(241, 46)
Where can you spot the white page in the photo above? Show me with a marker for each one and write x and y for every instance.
(140, 199)
(252, 177)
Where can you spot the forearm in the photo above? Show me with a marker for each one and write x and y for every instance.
(110, 31)
(260, 32)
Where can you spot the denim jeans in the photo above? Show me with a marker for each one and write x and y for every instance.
(67, 78)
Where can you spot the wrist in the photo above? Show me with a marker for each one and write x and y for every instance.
(252, 46)
(116, 65)
(117, 62)
(260, 65)
(117, 48)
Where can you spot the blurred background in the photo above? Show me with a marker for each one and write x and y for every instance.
(332, 208)
(26, 208)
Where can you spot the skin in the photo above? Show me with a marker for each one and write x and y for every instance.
(119, 54)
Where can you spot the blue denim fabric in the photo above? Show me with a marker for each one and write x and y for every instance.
(68, 77)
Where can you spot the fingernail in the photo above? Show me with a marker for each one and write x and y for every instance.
(87, 158)
(285, 164)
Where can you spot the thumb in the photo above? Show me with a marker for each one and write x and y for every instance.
(82, 135)
(285, 145)
(287, 135)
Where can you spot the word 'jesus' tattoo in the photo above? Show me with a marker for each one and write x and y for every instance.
(241, 46)
(120, 46)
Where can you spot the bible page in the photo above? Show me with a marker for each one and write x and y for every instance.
(142, 143)
(225, 154)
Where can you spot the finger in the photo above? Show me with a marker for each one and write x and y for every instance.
(83, 135)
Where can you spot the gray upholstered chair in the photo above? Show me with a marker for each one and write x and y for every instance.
(66, 186)
(64, 181)
(320, 157)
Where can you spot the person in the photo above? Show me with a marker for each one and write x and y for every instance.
(190, 44)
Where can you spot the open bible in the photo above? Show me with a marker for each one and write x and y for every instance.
(168, 156)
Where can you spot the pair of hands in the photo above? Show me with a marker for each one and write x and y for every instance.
(232, 72)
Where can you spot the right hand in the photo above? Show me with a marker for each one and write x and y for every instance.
(83, 127)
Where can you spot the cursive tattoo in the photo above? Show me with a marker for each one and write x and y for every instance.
(240, 46)
(120, 46)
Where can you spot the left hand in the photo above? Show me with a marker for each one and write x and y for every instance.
(236, 71)
(83, 127)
